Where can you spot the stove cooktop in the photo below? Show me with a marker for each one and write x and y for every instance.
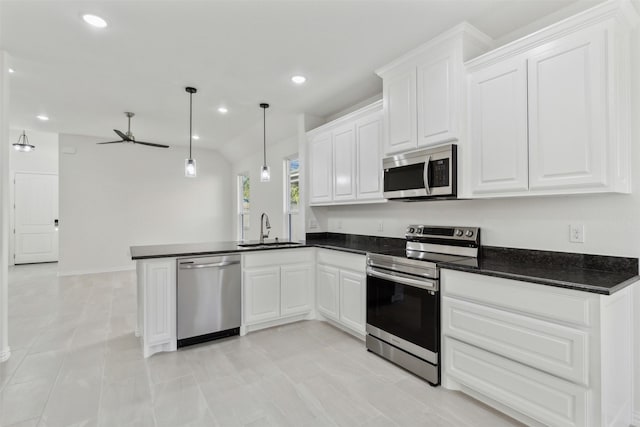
(422, 256)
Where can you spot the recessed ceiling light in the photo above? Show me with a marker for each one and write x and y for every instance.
(94, 20)
(11, 70)
(298, 79)
(196, 137)
(43, 117)
(223, 110)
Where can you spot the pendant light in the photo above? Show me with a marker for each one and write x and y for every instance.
(265, 171)
(23, 143)
(190, 163)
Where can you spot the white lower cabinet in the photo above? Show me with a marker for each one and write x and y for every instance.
(341, 288)
(156, 289)
(544, 355)
(277, 287)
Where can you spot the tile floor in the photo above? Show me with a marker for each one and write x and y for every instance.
(76, 362)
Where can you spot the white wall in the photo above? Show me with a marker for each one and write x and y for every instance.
(266, 196)
(5, 351)
(44, 159)
(116, 196)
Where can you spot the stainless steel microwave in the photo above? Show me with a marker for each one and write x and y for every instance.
(423, 174)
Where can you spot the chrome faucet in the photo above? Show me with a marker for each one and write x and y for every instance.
(266, 224)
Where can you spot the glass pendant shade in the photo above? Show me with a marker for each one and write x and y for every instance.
(190, 168)
(265, 174)
(23, 144)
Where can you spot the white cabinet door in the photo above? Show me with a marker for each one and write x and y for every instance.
(352, 300)
(261, 294)
(327, 289)
(568, 140)
(320, 168)
(344, 163)
(499, 128)
(159, 303)
(399, 95)
(296, 284)
(369, 157)
(436, 101)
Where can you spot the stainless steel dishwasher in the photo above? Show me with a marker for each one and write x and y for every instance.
(209, 306)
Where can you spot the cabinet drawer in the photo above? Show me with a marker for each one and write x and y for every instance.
(545, 398)
(548, 302)
(342, 259)
(277, 257)
(552, 348)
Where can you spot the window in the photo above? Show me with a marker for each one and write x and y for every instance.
(244, 194)
(292, 194)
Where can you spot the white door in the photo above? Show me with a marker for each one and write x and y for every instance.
(352, 300)
(297, 281)
(369, 158)
(35, 212)
(436, 102)
(327, 291)
(499, 162)
(344, 164)
(568, 137)
(320, 173)
(261, 294)
(399, 98)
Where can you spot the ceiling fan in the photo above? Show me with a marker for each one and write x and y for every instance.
(128, 137)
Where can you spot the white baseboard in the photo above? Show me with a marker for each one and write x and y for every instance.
(636, 418)
(96, 271)
(5, 354)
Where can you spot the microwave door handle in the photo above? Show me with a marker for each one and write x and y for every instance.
(425, 175)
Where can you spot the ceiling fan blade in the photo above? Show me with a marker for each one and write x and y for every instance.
(122, 135)
(151, 144)
(110, 142)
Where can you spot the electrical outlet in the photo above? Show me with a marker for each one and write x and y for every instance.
(380, 226)
(339, 225)
(576, 233)
(313, 224)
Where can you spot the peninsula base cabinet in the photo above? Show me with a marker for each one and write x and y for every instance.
(156, 289)
(341, 289)
(277, 287)
(546, 356)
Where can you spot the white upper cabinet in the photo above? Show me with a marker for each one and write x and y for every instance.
(437, 106)
(369, 157)
(320, 168)
(550, 112)
(345, 158)
(568, 113)
(399, 94)
(423, 90)
(499, 128)
(344, 163)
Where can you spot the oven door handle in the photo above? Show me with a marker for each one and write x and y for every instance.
(416, 283)
(425, 175)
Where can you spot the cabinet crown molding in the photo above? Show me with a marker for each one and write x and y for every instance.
(464, 30)
(375, 106)
(622, 11)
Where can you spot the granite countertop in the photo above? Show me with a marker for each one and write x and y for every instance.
(590, 273)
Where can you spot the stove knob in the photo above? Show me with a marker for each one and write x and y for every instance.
(458, 233)
(469, 233)
(411, 230)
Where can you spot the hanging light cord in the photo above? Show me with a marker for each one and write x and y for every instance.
(264, 135)
(190, 120)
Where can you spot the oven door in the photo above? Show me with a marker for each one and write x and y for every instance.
(404, 311)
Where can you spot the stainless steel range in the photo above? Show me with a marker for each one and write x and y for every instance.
(403, 296)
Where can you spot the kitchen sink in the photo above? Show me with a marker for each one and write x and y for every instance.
(267, 244)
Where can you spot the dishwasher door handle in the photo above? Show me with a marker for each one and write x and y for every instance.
(189, 266)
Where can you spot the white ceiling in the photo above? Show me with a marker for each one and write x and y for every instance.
(237, 53)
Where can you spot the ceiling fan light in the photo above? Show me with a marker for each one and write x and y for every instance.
(190, 168)
(265, 174)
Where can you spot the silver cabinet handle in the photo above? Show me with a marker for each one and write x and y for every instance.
(187, 266)
(425, 175)
(422, 284)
